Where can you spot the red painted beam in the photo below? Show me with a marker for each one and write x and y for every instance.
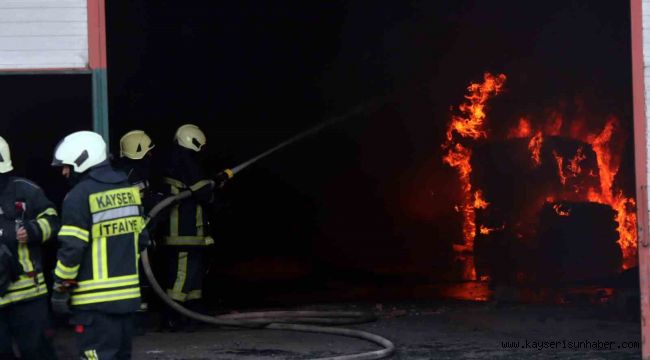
(97, 34)
(640, 159)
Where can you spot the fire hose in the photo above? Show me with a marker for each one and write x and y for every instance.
(303, 321)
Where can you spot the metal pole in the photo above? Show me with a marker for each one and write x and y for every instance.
(100, 103)
(641, 168)
(98, 65)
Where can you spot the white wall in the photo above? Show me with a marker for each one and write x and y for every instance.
(43, 34)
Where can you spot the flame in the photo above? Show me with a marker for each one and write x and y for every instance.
(484, 230)
(574, 164)
(560, 210)
(572, 169)
(560, 167)
(535, 147)
(468, 126)
(608, 167)
(479, 202)
(458, 157)
(469, 123)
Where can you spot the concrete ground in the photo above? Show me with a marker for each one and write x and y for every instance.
(435, 330)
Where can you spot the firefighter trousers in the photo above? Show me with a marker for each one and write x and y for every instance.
(102, 336)
(186, 269)
(26, 322)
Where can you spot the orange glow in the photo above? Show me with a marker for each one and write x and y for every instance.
(523, 130)
(554, 124)
(469, 123)
(577, 128)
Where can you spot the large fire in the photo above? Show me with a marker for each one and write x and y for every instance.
(468, 126)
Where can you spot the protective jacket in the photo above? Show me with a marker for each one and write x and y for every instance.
(23, 204)
(138, 174)
(188, 222)
(101, 236)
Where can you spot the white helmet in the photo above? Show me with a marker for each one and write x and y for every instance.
(190, 137)
(81, 150)
(5, 157)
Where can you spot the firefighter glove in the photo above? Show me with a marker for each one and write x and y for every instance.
(222, 178)
(60, 302)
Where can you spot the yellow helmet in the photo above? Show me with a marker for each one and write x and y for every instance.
(190, 137)
(5, 157)
(135, 144)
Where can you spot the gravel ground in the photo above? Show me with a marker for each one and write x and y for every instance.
(443, 330)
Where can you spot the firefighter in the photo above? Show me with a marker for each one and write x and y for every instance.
(188, 233)
(102, 232)
(27, 220)
(135, 161)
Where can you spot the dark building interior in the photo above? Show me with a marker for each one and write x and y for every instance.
(363, 210)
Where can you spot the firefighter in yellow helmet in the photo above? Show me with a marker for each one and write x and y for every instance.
(102, 232)
(135, 145)
(188, 234)
(136, 162)
(27, 220)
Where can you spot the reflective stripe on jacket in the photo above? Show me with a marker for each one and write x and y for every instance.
(188, 225)
(23, 201)
(101, 236)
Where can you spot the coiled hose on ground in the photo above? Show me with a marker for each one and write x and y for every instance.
(305, 321)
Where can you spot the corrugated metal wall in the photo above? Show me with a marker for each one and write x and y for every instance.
(43, 34)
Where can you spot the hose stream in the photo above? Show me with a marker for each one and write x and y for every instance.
(304, 321)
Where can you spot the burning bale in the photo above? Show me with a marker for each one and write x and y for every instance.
(577, 242)
(517, 178)
(509, 182)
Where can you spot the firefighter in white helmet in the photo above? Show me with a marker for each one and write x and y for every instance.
(27, 220)
(188, 233)
(96, 273)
